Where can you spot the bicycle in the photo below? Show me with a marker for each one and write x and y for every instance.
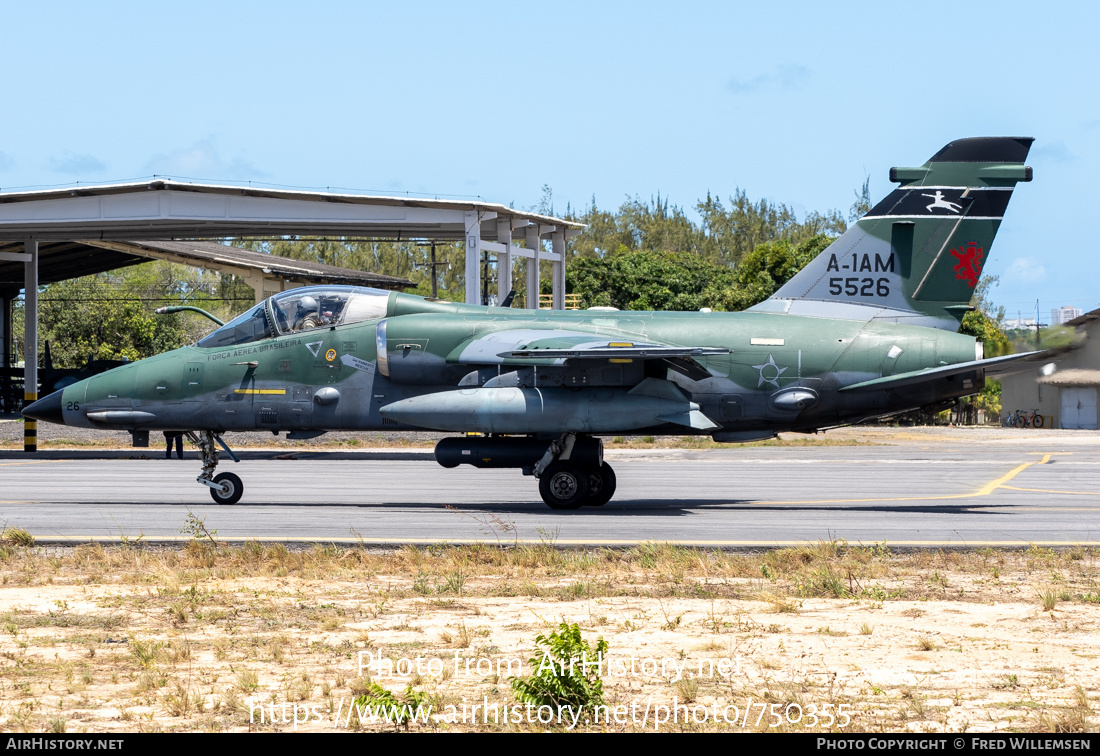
(1021, 419)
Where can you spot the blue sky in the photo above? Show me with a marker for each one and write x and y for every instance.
(796, 102)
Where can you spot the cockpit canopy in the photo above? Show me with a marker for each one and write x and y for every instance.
(300, 310)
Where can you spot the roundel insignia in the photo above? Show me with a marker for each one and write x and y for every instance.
(330, 355)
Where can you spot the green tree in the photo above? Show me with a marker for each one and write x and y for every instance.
(653, 225)
(648, 280)
(981, 300)
(768, 267)
(110, 315)
(745, 225)
(84, 319)
(404, 259)
(979, 325)
(862, 205)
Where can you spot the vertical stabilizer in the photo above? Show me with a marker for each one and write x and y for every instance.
(917, 255)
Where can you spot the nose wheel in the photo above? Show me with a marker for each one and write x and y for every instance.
(225, 488)
(229, 489)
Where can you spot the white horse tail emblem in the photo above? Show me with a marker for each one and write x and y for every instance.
(939, 201)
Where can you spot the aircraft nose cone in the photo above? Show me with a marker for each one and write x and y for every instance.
(47, 410)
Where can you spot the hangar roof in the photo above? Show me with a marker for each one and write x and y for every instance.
(164, 209)
(61, 260)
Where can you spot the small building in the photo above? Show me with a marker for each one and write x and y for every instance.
(1068, 394)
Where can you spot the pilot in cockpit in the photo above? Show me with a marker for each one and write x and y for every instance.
(308, 315)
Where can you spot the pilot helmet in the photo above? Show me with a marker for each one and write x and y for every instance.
(307, 304)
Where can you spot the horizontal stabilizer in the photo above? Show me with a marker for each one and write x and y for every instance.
(991, 366)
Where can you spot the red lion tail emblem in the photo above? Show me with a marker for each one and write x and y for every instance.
(969, 265)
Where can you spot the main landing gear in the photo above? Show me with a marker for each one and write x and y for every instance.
(570, 470)
(225, 488)
(566, 482)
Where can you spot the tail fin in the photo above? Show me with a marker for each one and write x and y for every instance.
(917, 255)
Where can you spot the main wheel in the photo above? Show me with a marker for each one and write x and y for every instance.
(563, 486)
(233, 489)
(601, 486)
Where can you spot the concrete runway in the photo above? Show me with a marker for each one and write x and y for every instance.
(1043, 493)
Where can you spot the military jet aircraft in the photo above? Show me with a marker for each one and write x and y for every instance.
(867, 329)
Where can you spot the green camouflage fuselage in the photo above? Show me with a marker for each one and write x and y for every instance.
(329, 379)
(867, 328)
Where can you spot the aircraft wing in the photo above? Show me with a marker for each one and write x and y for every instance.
(614, 350)
(992, 366)
(527, 347)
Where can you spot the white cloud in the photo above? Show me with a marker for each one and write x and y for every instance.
(202, 161)
(1026, 269)
(782, 77)
(75, 165)
(1052, 152)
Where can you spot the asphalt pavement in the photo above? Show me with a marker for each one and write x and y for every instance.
(945, 492)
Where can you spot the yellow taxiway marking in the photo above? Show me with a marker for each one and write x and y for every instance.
(990, 487)
(985, 490)
(30, 462)
(1048, 455)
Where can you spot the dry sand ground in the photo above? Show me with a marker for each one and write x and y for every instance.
(198, 638)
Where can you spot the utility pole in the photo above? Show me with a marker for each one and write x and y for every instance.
(433, 265)
(1038, 338)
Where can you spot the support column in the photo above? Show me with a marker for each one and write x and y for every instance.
(7, 395)
(473, 257)
(265, 285)
(533, 267)
(30, 334)
(558, 281)
(5, 331)
(504, 259)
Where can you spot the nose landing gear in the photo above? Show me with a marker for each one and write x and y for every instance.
(225, 488)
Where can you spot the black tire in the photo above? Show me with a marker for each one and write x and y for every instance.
(234, 489)
(601, 486)
(563, 486)
(1020, 422)
(1037, 422)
